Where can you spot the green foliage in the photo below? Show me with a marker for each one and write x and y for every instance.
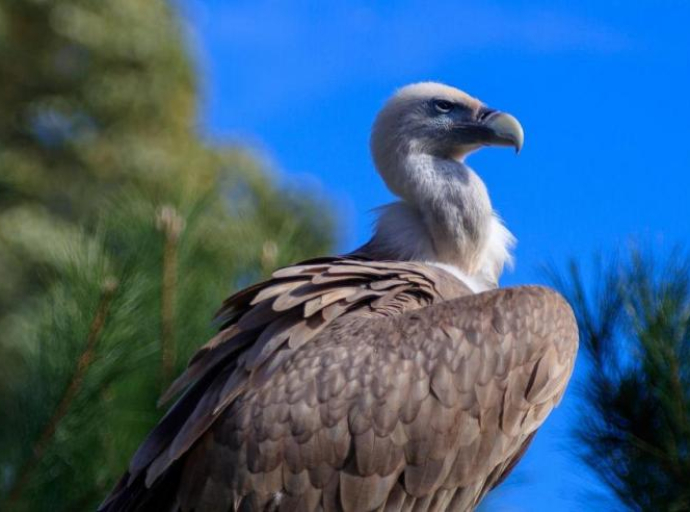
(95, 97)
(121, 231)
(635, 327)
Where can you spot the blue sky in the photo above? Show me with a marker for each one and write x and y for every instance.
(601, 89)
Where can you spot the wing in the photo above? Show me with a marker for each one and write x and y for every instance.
(420, 410)
(261, 327)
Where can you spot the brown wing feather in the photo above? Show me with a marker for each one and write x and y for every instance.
(407, 393)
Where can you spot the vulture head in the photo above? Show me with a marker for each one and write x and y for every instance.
(419, 142)
(441, 121)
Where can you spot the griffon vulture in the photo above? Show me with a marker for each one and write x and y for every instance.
(397, 377)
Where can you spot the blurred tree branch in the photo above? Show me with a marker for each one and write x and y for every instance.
(76, 381)
(635, 328)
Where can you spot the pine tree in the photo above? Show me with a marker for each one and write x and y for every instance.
(635, 331)
(121, 232)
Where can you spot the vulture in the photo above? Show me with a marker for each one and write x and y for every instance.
(398, 377)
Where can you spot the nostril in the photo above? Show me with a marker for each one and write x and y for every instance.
(485, 112)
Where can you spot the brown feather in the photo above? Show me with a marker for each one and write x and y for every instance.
(346, 384)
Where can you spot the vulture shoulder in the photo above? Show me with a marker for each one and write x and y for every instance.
(353, 385)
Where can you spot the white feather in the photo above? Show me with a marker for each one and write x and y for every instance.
(472, 282)
(497, 252)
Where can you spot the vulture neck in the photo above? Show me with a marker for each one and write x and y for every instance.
(444, 218)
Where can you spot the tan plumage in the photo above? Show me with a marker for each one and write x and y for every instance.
(352, 384)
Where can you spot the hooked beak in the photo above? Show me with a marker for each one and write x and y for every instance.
(504, 130)
(492, 128)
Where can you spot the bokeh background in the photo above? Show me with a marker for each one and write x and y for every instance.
(156, 155)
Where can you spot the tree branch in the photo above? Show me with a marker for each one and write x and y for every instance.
(85, 359)
(171, 224)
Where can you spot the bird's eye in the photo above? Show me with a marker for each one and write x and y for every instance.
(443, 106)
